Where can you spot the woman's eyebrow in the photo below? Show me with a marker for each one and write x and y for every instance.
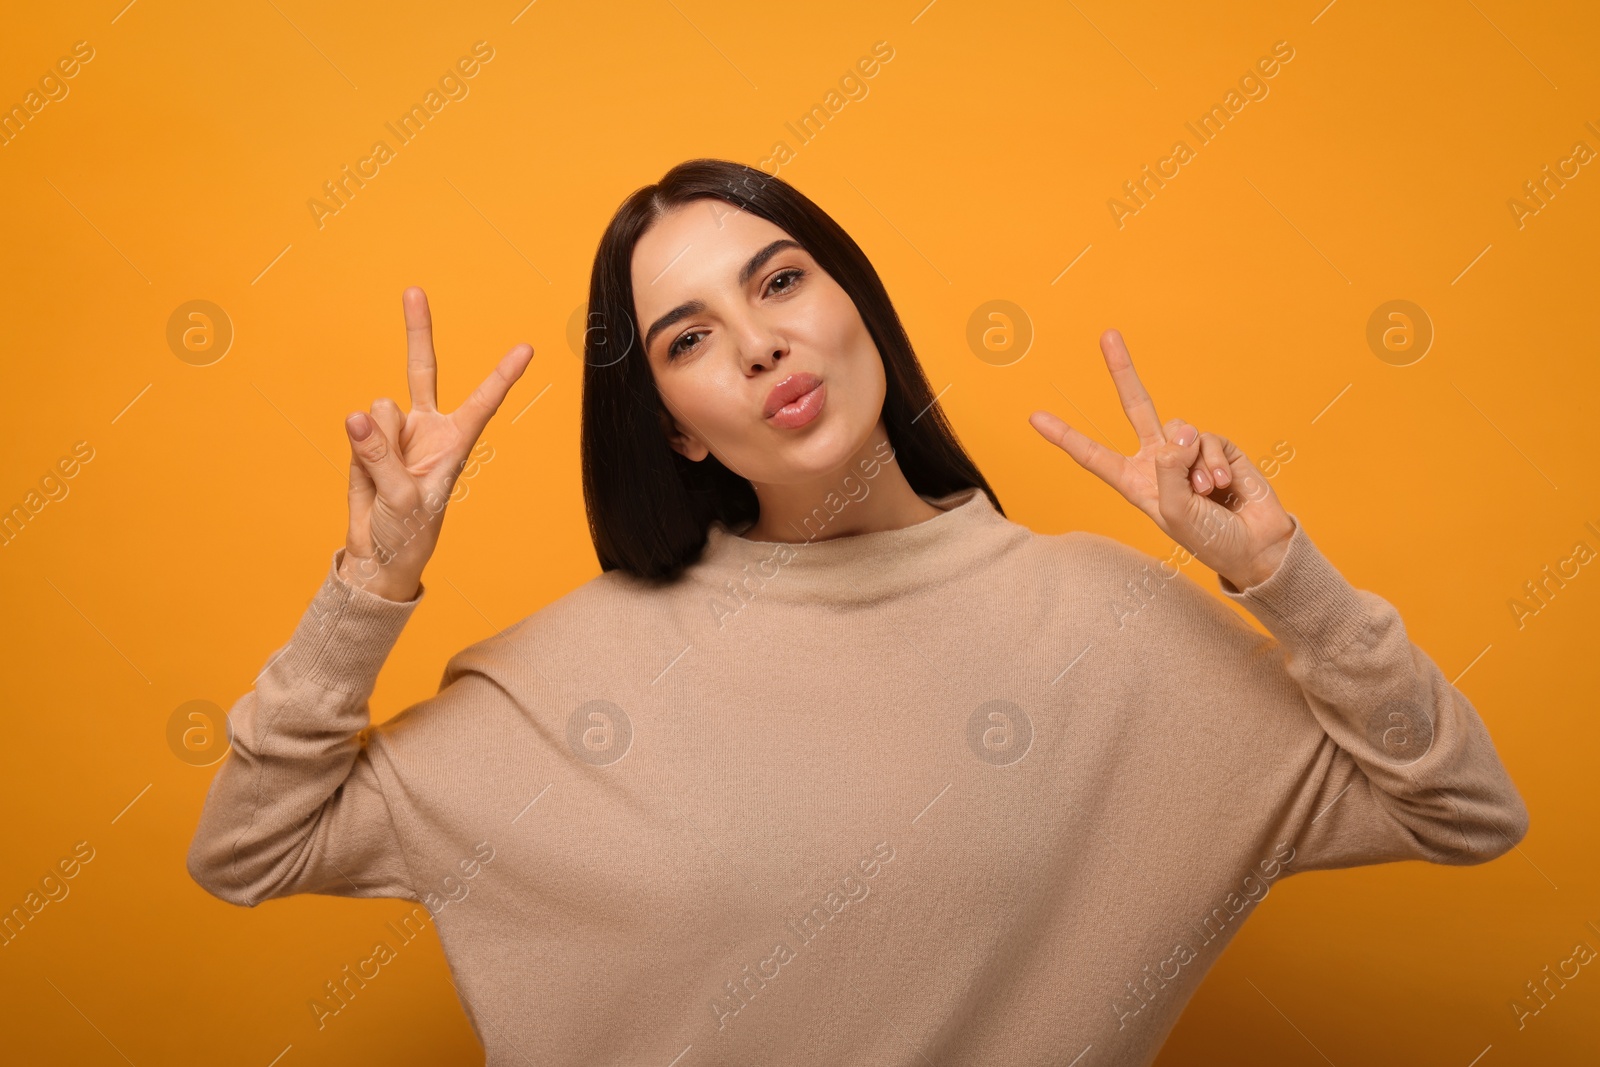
(682, 311)
(694, 307)
(761, 257)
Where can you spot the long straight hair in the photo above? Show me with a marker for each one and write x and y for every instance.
(649, 507)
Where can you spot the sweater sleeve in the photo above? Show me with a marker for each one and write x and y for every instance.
(1407, 770)
(296, 807)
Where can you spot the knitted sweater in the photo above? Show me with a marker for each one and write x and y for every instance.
(955, 793)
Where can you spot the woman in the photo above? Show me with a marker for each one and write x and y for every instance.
(832, 763)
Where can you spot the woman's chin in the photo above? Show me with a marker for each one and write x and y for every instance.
(826, 453)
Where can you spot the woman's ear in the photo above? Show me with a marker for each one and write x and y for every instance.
(686, 445)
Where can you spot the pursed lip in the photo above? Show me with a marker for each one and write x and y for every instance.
(789, 390)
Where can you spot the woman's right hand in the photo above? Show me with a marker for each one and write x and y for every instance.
(403, 465)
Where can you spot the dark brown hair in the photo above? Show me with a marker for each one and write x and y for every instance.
(649, 507)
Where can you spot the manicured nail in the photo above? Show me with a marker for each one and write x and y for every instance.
(360, 426)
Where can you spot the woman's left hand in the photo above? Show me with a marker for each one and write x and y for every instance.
(1199, 488)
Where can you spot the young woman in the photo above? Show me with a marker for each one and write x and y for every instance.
(832, 763)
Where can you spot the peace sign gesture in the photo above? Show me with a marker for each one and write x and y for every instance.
(403, 465)
(1199, 488)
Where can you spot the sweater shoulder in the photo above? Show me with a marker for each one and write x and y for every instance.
(588, 626)
(1087, 558)
(1103, 570)
(582, 642)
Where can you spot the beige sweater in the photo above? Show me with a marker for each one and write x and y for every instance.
(958, 793)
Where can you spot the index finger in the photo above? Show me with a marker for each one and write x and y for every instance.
(1141, 410)
(476, 411)
(422, 369)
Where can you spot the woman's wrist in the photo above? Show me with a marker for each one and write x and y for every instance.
(387, 582)
(1263, 566)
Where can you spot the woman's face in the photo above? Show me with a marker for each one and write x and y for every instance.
(728, 311)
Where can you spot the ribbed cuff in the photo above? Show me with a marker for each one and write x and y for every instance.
(345, 635)
(1305, 603)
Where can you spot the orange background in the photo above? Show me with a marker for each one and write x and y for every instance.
(977, 167)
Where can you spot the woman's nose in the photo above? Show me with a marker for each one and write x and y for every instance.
(762, 348)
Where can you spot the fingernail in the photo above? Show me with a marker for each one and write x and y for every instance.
(1184, 436)
(1222, 476)
(359, 425)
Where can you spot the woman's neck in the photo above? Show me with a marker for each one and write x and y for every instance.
(865, 495)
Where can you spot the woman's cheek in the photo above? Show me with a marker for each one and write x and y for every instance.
(722, 407)
(718, 406)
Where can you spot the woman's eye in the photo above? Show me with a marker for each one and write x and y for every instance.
(794, 274)
(679, 347)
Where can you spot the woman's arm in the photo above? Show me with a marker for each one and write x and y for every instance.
(1408, 770)
(1366, 748)
(295, 806)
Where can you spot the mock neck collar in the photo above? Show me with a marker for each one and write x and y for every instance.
(862, 568)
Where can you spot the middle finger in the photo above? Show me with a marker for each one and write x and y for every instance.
(1136, 401)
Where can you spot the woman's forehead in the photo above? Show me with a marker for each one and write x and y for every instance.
(706, 238)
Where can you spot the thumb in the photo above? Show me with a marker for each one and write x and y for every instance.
(1173, 463)
(373, 450)
(362, 491)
